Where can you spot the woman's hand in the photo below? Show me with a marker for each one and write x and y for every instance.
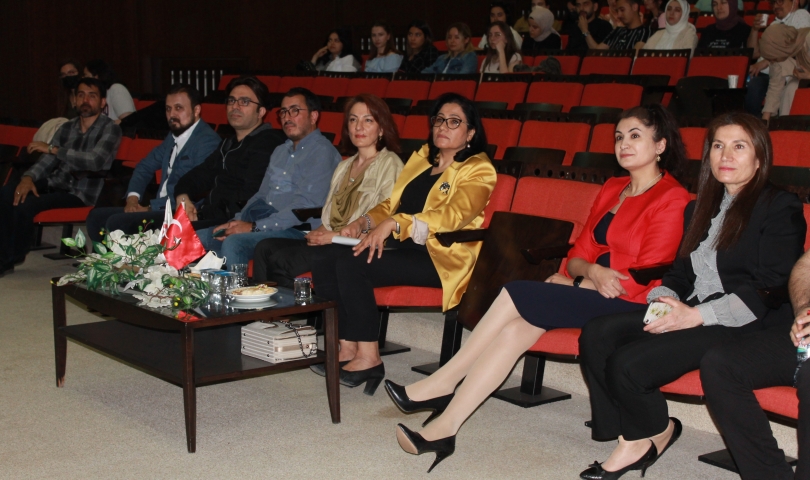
(375, 240)
(321, 236)
(681, 317)
(800, 329)
(321, 52)
(354, 229)
(560, 279)
(799, 72)
(754, 69)
(606, 280)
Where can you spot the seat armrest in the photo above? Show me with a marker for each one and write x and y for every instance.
(774, 297)
(537, 255)
(305, 213)
(447, 239)
(646, 274)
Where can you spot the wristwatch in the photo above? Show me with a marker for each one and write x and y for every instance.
(578, 280)
(254, 227)
(397, 229)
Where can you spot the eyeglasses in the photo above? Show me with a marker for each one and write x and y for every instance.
(452, 123)
(293, 111)
(242, 101)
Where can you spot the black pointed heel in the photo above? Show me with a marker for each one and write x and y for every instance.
(596, 472)
(370, 376)
(417, 445)
(676, 433)
(320, 368)
(401, 399)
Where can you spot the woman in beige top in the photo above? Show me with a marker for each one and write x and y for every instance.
(788, 50)
(678, 33)
(358, 184)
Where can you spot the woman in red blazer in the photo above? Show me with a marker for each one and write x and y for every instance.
(635, 221)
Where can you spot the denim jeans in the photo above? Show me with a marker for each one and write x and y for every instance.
(757, 89)
(239, 248)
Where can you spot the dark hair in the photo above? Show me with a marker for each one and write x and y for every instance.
(71, 61)
(102, 70)
(509, 51)
(637, 3)
(710, 191)
(382, 115)
(345, 37)
(389, 46)
(464, 31)
(477, 144)
(426, 31)
(257, 86)
(503, 6)
(193, 94)
(93, 82)
(658, 118)
(312, 100)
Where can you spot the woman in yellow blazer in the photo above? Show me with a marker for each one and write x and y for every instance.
(444, 187)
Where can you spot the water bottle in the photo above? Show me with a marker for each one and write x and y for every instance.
(802, 353)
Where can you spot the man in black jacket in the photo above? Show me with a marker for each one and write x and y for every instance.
(217, 189)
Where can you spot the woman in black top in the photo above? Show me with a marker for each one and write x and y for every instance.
(541, 31)
(420, 52)
(729, 31)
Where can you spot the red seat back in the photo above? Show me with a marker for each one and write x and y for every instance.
(790, 148)
(14, 135)
(501, 198)
(571, 137)
(693, 138)
(567, 94)
(607, 65)
(286, 83)
(807, 220)
(332, 122)
(399, 121)
(567, 200)
(687, 384)
(214, 113)
(704, 21)
(270, 81)
(510, 92)
(603, 139)
(225, 80)
(414, 89)
(138, 150)
(272, 118)
(720, 67)
(462, 87)
(801, 102)
(619, 95)
(502, 132)
(416, 126)
(374, 86)
(330, 87)
(675, 67)
(569, 64)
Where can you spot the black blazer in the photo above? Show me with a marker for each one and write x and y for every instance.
(763, 256)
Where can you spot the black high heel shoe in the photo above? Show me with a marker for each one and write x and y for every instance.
(413, 443)
(320, 368)
(370, 376)
(596, 472)
(676, 433)
(436, 405)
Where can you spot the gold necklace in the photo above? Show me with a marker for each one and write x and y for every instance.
(643, 189)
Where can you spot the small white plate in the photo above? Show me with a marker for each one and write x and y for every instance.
(256, 305)
(260, 297)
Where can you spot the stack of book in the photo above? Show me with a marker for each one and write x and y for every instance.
(276, 342)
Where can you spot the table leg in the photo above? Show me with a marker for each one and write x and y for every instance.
(332, 374)
(189, 387)
(59, 340)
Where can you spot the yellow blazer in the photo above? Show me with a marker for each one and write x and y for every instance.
(460, 208)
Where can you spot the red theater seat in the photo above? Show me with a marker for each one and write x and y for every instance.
(571, 137)
(566, 94)
(619, 95)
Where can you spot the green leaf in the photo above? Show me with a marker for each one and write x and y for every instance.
(103, 267)
(187, 300)
(69, 242)
(99, 248)
(91, 279)
(80, 240)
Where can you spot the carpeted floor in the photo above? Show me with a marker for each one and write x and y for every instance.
(111, 421)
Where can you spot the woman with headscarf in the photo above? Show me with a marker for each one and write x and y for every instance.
(787, 50)
(542, 35)
(678, 33)
(728, 31)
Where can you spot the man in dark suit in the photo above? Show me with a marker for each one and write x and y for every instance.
(189, 143)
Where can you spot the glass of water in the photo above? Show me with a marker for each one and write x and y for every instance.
(240, 271)
(302, 287)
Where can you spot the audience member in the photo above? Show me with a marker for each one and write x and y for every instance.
(297, 177)
(217, 189)
(542, 35)
(731, 372)
(654, 16)
(358, 184)
(63, 177)
(188, 144)
(678, 33)
(729, 29)
(499, 12)
(597, 28)
(443, 187)
(460, 57)
(69, 70)
(420, 52)
(502, 54)
(784, 12)
(786, 49)
(612, 16)
(119, 101)
(742, 235)
(337, 55)
(631, 36)
(384, 57)
(634, 221)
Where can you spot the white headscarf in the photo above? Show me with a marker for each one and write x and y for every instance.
(673, 31)
(545, 19)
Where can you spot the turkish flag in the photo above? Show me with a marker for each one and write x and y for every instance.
(182, 244)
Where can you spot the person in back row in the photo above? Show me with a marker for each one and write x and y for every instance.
(420, 52)
(217, 189)
(384, 57)
(66, 175)
(499, 12)
(297, 177)
(632, 35)
(119, 100)
(597, 29)
(728, 31)
(189, 142)
(460, 57)
(678, 33)
(502, 54)
(542, 35)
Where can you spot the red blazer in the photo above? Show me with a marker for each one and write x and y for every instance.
(646, 230)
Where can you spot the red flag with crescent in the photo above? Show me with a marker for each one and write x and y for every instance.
(182, 244)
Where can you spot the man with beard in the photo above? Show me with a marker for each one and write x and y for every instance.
(298, 177)
(63, 177)
(190, 142)
(217, 189)
(598, 29)
(633, 35)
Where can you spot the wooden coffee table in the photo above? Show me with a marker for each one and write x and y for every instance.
(188, 354)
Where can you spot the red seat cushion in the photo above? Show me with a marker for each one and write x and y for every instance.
(688, 384)
(560, 341)
(405, 296)
(779, 400)
(63, 215)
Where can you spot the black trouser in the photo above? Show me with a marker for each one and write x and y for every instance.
(114, 218)
(340, 276)
(280, 260)
(625, 366)
(729, 374)
(16, 223)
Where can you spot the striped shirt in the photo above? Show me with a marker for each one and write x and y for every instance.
(624, 38)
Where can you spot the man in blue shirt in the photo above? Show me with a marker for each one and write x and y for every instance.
(187, 145)
(298, 176)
